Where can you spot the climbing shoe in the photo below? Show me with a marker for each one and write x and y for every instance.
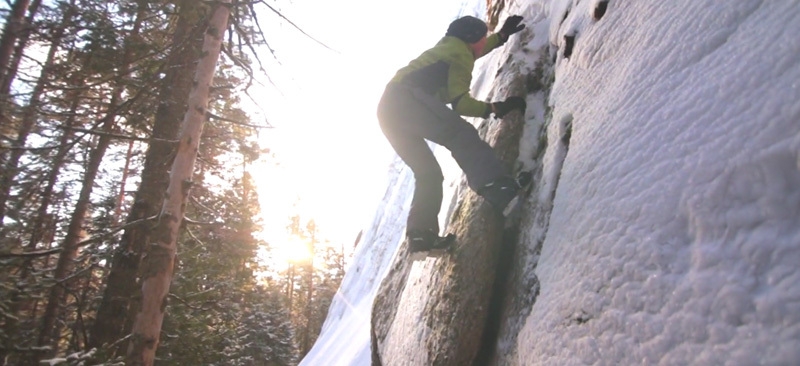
(427, 243)
(501, 194)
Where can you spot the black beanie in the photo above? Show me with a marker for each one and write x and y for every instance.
(468, 29)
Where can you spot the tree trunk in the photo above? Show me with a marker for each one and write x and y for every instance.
(306, 344)
(122, 183)
(115, 314)
(290, 288)
(159, 262)
(9, 72)
(29, 117)
(50, 331)
(11, 32)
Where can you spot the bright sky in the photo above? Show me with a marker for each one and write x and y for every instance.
(331, 156)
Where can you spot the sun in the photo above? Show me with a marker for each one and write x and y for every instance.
(293, 250)
(280, 254)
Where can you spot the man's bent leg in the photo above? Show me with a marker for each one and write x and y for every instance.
(474, 155)
(445, 127)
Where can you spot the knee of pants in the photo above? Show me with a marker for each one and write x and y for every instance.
(463, 138)
(429, 176)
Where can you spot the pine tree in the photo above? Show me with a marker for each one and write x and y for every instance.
(158, 266)
(312, 283)
(30, 111)
(113, 319)
(50, 329)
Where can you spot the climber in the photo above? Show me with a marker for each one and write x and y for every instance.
(413, 110)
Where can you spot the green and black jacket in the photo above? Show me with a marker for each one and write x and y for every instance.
(445, 71)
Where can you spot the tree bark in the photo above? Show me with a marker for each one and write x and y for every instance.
(159, 262)
(115, 314)
(122, 183)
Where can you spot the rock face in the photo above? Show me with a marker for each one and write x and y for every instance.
(664, 222)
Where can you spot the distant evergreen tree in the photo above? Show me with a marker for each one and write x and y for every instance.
(312, 283)
(265, 335)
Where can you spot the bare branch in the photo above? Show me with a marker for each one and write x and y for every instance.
(117, 136)
(194, 237)
(263, 37)
(123, 227)
(296, 27)
(238, 62)
(76, 274)
(48, 147)
(214, 116)
(198, 203)
(189, 221)
(190, 306)
(39, 253)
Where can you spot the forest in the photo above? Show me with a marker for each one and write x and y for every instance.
(129, 230)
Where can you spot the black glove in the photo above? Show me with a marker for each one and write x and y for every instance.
(511, 26)
(500, 109)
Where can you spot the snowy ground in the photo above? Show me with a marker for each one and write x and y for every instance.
(675, 226)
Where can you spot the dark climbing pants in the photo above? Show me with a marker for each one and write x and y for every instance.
(408, 116)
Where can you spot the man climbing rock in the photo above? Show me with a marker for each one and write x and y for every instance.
(413, 109)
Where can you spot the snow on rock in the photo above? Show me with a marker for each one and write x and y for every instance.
(675, 228)
(344, 339)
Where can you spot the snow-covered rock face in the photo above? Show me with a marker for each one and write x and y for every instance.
(663, 226)
(675, 232)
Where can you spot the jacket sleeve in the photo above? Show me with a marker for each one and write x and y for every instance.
(469, 106)
(459, 79)
(458, 83)
(492, 42)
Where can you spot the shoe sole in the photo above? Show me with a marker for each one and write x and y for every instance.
(422, 255)
(511, 206)
(418, 256)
